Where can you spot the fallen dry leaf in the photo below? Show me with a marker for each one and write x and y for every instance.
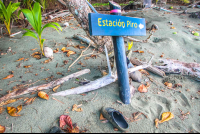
(165, 117)
(47, 61)
(138, 51)
(55, 88)
(86, 58)
(162, 55)
(65, 119)
(75, 108)
(103, 72)
(55, 51)
(36, 53)
(1, 110)
(19, 108)
(168, 84)
(12, 111)
(30, 101)
(144, 71)
(2, 129)
(142, 88)
(8, 77)
(101, 118)
(70, 53)
(43, 95)
(20, 59)
(63, 49)
(172, 28)
(65, 62)
(28, 66)
(37, 56)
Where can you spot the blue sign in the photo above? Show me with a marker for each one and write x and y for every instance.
(115, 25)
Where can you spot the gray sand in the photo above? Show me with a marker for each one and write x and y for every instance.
(43, 114)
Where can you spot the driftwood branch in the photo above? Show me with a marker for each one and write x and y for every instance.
(178, 67)
(44, 86)
(150, 68)
(104, 81)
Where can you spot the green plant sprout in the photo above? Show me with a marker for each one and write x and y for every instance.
(6, 14)
(35, 19)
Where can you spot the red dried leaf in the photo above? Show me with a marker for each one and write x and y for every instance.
(65, 119)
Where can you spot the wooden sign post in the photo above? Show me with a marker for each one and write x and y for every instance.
(117, 26)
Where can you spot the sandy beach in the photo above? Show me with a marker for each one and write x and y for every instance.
(41, 115)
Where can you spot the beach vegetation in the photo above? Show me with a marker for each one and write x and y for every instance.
(7, 14)
(34, 17)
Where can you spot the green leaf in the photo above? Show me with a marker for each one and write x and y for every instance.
(9, 11)
(42, 41)
(30, 33)
(15, 6)
(55, 23)
(4, 11)
(49, 25)
(37, 16)
(28, 14)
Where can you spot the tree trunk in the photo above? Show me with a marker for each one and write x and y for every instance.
(80, 10)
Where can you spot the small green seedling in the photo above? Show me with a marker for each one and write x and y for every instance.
(196, 34)
(6, 14)
(35, 19)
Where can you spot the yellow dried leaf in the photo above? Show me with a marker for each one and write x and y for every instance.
(2, 129)
(8, 77)
(55, 88)
(12, 111)
(36, 53)
(37, 56)
(28, 66)
(172, 28)
(43, 95)
(1, 110)
(166, 117)
(19, 108)
(168, 84)
(47, 61)
(70, 52)
(63, 49)
(20, 59)
(75, 108)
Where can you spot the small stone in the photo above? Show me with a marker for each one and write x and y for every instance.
(48, 52)
(66, 24)
(155, 27)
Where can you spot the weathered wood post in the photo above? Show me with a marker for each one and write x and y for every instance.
(120, 58)
(117, 26)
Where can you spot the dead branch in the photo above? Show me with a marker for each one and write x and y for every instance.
(44, 86)
(104, 81)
